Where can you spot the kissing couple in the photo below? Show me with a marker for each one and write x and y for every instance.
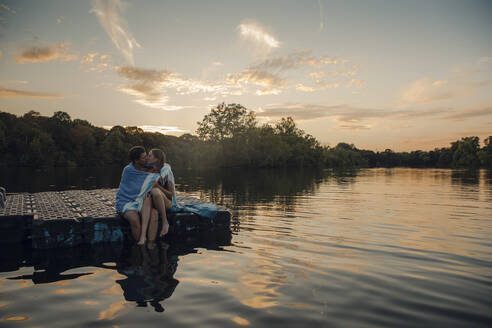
(146, 190)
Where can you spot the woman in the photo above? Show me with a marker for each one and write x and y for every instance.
(162, 191)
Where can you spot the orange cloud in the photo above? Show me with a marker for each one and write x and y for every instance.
(45, 54)
(144, 75)
(355, 127)
(255, 76)
(19, 93)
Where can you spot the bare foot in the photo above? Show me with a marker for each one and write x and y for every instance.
(165, 229)
(141, 241)
(151, 244)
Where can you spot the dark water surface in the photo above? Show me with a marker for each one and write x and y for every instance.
(369, 248)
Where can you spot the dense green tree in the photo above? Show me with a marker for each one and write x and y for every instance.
(114, 146)
(485, 154)
(465, 152)
(228, 136)
(62, 117)
(225, 121)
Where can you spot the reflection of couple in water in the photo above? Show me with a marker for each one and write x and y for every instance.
(149, 275)
(146, 190)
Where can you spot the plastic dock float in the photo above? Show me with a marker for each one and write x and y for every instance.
(76, 217)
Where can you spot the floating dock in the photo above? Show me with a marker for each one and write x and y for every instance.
(83, 217)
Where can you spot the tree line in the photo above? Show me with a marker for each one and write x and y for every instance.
(228, 136)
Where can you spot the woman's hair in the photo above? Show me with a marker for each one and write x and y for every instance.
(160, 155)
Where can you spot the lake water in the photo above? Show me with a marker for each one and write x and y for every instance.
(368, 248)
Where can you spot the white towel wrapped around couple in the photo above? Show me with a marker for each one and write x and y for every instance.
(167, 176)
(135, 184)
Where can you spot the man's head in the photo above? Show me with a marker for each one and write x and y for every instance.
(138, 155)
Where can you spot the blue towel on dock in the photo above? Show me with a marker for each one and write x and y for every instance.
(206, 210)
(133, 187)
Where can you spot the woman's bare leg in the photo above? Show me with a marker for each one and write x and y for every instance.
(160, 203)
(153, 225)
(146, 207)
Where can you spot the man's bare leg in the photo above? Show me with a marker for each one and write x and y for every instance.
(153, 225)
(146, 207)
(134, 220)
(160, 203)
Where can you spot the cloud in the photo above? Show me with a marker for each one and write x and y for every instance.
(162, 129)
(95, 62)
(13, 82)
(342, 71)
(319, 86)
(45, 54)
(317, 75)
(462, 82)
(150, 87)
(305, 88)
(256, 33)
(212, 68)
(353, 117)
(355, 82)
(486, 60)
(254, 76)
(321, 16)
(153, 88)
(144, 75)
(268, 91)
(268, 73)
(306, 112)
(355, 127)
(343, 113)
(27, 94)
(485, 110)
(89, 58)
(295, 60)
(7, 8)
(426, 91)
(109, 13)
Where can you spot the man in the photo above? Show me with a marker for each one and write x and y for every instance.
(132, 196)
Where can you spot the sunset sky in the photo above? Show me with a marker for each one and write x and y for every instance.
(403, 75)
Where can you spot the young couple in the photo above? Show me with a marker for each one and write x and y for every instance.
(146, 190)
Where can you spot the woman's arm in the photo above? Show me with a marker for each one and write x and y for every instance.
(166, 192)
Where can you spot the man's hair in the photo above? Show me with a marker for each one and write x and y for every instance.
(135, 153)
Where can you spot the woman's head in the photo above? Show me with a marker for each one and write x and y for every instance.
(157, 157)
